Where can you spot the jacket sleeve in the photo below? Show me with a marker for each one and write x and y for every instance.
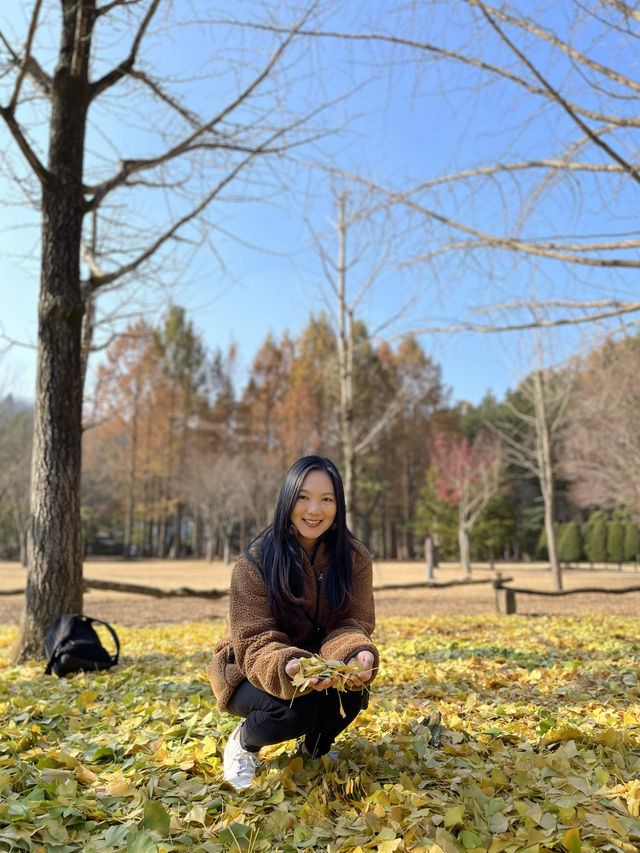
(352, 633)
(261, 649)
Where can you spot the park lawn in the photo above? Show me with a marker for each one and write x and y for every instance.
(539, 748)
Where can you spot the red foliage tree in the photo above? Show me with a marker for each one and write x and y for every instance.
(468, 475)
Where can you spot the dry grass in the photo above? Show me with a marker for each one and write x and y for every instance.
(128, 609)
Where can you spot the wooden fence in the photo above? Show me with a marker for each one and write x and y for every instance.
(505, 596)
(187, 592)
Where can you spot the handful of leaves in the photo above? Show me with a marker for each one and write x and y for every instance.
(317, 667)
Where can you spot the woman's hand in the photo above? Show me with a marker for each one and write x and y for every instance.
(292, 668)
(357, 682)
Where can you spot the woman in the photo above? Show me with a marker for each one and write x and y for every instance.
(303, 586)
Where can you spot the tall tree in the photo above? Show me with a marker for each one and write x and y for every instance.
(123, 402)
(601, 446)
(403, 449)
(182, 361)
(308, 410)
(530, 424)
(178, 163)
(263, 394)
(468, 475)
(351, 269)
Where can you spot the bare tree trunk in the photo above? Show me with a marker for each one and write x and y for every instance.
(226, 548)
(547, 484)
(393, 540)
(345, 365)
(131, 485)
(430, 555)
(54, 549)
(176, 546)
(409, 551)
(208, 539)
(147, 496)
(465, 551)
(161, 534)
(197, 531)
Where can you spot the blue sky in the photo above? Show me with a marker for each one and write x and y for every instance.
(404, 131)
(264, 296)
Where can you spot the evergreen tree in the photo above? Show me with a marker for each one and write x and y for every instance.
(595, 538)
(542, 551)
(570, 544)
(631, 542)
(435, 515)
(495, 529)
(615, 542)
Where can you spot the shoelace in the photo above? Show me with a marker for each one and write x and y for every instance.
(246, 762)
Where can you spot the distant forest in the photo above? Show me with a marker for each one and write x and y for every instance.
(180, 461)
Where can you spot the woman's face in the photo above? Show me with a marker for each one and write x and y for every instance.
(315, 508)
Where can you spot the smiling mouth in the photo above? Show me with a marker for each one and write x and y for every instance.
(312, 523)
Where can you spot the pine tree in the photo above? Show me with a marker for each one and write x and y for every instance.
(615, 542)
(595, 540)
(631, 542)
(542, 551)
(570, 544)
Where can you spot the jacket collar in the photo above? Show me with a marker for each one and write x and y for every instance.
(316, 558)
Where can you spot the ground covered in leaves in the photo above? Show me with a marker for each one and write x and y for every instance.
(539, 748)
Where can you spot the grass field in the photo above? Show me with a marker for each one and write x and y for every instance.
(539, 748)
(198, 574)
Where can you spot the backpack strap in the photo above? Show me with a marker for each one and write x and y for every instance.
(114, 658)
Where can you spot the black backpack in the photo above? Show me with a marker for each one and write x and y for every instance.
(72, 645)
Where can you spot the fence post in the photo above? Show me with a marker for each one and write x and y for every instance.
(505, 598)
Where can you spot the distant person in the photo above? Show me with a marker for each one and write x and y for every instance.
(303, 586)
(430, 555)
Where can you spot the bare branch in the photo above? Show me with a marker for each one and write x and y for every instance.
(8, 113)
(570, 109)
(578, 56)
(163, 96)
(579, 304)
(12, 342)
(190, 142)
(25, 59)
(105, 279)
(566, 252)
(116, 74)
(625, 9)
(30, 155)
(623, 308)
(104, 10)
(386, 417)
(496, 70)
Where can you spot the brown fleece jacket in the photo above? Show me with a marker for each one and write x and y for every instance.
(254, 647)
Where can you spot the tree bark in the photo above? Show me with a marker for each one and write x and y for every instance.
(127, 551)
(547, 483)
(465, 552)
(345, 366)
(54, 539)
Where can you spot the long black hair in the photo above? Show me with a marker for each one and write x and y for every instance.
(281, 553)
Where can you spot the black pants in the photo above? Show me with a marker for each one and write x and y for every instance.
(316, 715)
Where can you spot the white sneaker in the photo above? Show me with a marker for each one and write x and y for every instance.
(239, 764)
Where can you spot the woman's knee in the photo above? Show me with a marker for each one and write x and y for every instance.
(278, 722)
(300, 714)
